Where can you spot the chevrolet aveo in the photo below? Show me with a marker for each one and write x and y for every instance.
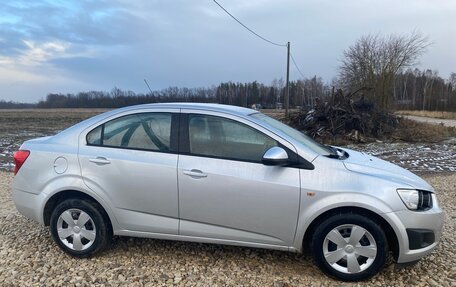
(227, 175)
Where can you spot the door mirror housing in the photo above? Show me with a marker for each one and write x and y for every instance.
(275, 156)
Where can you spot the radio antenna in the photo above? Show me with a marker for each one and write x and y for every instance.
(147, 84)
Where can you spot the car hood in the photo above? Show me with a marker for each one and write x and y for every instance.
(371, 165)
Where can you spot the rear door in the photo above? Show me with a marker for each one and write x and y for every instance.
(225, 192)
(132, 161)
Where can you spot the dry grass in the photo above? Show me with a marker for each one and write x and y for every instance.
(43, 119)
(413, 131)
(407, 130)
(429, 114)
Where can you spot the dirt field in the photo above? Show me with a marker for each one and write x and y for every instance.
(435, 121)
(28, 257)
(16, 126)
(430, 114)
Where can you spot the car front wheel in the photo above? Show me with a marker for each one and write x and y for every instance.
(79, 228)
(349, 247)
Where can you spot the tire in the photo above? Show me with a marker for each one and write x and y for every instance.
(80, 239)
(345, 257)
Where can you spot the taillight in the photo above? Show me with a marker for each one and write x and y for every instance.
(19, 158)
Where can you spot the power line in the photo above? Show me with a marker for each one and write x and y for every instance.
(296, 65)
(261, 37)
(287, 95)
(250, 30)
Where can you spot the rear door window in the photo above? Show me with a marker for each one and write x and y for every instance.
(145, 131)
(94, 137)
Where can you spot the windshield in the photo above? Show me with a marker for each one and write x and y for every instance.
(295, 134)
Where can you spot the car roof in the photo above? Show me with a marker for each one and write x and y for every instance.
(197, 106)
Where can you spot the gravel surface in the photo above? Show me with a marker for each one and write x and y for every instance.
(28, 257)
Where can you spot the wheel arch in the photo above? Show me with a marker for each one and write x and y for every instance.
(390, 234)
(60, 196)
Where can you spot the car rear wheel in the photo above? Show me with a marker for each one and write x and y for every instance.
(349, 247)
(79, 228)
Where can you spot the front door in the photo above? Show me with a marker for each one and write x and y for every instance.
(225, 192)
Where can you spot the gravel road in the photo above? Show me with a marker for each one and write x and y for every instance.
(28, 257)
(445, 122)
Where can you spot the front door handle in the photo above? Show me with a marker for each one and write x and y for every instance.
(195, 173)
(100, 160)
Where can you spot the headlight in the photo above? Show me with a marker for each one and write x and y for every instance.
(416, 199)
(410, 197)
(435, 203)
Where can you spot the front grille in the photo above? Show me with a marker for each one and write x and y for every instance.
(424, 200)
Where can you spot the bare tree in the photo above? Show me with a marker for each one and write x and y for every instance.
(374, 61)
(452, 81)
(278, 85)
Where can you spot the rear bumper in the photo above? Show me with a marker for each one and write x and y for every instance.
(28, 204)
(418, 233)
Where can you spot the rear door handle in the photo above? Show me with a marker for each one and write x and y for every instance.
(100, 160)
(195, 173)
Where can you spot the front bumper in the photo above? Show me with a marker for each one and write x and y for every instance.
(416, 246)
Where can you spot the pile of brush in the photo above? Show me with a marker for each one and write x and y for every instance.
(345, 117)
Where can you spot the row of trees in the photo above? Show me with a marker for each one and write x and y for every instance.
(118, 98)
(424, 90)
(412, 89)
(302, 93)
(15, 105)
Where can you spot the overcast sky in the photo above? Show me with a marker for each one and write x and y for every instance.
(69, 46)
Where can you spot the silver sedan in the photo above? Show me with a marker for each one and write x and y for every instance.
(226, 175)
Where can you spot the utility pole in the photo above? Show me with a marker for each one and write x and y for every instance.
(287, 91)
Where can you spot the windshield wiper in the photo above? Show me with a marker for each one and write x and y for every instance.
(336, 153)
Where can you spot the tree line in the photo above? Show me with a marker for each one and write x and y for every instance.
(302, 93)
(15, 105)
(412, 90)
(424, 90)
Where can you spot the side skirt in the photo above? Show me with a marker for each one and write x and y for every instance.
(203, 240)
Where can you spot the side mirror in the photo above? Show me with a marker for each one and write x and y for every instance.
(275, 156)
